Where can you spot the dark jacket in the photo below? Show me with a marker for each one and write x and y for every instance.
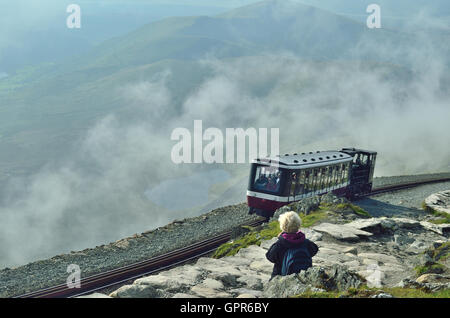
(276, 252)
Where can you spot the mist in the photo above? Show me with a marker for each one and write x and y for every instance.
(118, 179)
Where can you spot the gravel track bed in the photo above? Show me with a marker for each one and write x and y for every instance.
(384, 181)
(50, 272)
(45, 273)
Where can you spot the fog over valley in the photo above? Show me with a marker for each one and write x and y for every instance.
(85, 138)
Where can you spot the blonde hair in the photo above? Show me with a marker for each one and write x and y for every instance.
(290, 222)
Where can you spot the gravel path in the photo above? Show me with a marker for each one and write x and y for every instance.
(406, 203)
(44, 273)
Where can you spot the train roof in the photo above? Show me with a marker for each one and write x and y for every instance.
(304, 159)
(353, 151)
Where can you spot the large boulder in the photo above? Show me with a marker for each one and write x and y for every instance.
(343, 232)
(284, 286)
(314, 279)
(442, 229)
(137, 291)
(439, 201)
(307, 205)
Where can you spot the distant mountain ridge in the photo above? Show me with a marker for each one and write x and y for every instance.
(40, 100)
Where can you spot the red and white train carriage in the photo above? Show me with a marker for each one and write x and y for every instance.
(275, 182)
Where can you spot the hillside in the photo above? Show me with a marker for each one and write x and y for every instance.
(83, 141)
(65, 99)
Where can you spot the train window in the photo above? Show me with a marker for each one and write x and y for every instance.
(300, 188)
(328, 182)
(364, 160)
(308, 178)
(267, 179)
(339, 176)
(294, 180)
(332, 175)
(346, 168)
(324, 172)
(311, 180)
(316, 179)
(315, 173)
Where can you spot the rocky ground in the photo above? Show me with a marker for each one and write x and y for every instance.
(378, 253)
(389, 244)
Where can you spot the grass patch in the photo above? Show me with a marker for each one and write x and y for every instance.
(271, 230)
(253, 238)
(443, 218)
(345, 206)
(435, 268)
(313, 217)
(442, 252)
(437, 255)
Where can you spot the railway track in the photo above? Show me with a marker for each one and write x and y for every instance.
(174, 258)
(405, 185)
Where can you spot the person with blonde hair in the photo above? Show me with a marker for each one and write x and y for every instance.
(292, 252)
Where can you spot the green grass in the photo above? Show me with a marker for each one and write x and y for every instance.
(271, 230)
(345, 206)
(437, 255)
(253, 238)
(313, 218)
(443, 218)
(356, 209)
(435, 268)
(442, 252)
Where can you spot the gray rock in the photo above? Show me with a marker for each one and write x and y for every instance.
(442, 229)
(137, 291)
(439, 201)
(315, 279)
(330, 198)
(382, 295)
(433, 279)
(278, 212)
(406, 223)
(429, 287)
(207, 292)
(284, 286)
(227, 279)
(381, 258)
(343, 279)
(341, 231)
(95, 295)
(246, 296)
(174, 280)
(246, 291)
(212, 283)
(417, 246)
(251, 282)
(184, 295)
(307, 205)
(372, 225)
(312, 235)
(403, 239)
